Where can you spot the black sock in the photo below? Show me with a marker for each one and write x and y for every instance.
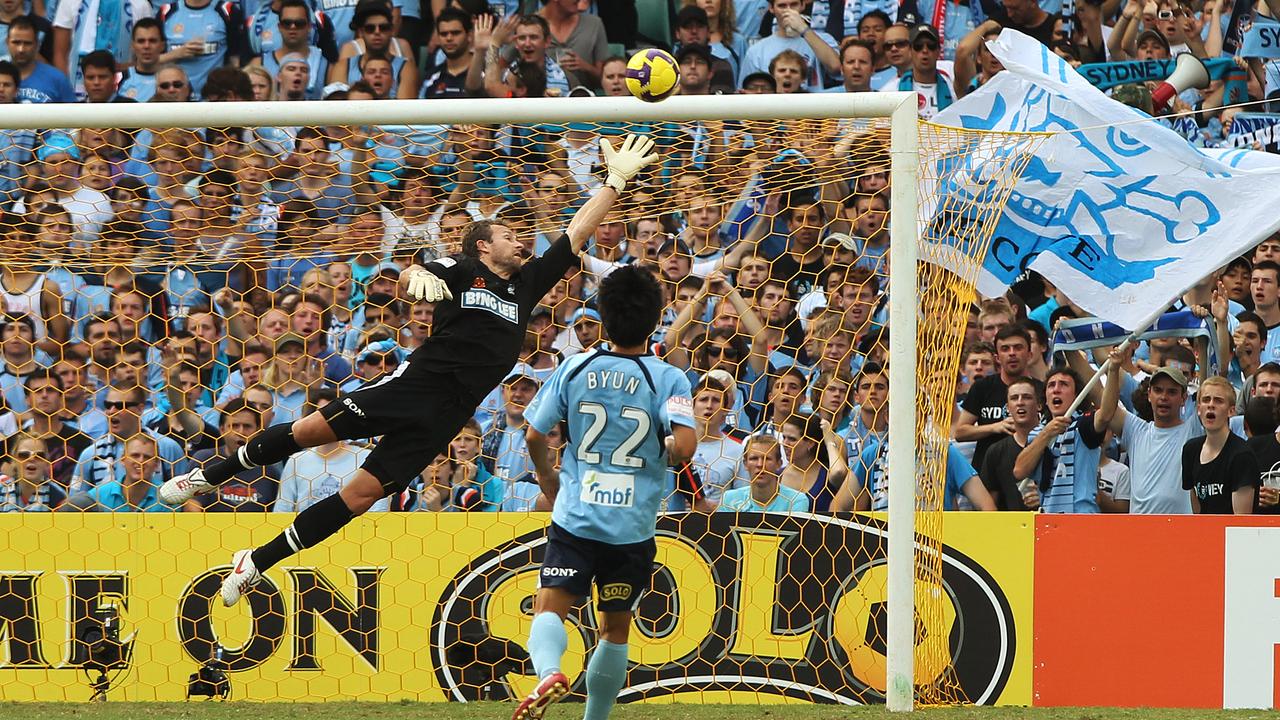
(268, 447)
(311, 527)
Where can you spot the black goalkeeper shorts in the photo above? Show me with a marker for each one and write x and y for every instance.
(417, 413)
(622, 573)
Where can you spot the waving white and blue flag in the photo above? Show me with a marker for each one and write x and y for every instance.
(1123, 215)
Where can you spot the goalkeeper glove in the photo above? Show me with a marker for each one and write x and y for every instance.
(628, 160)
(424, 285)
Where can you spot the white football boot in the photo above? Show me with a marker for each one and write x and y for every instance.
(178, 490)
(243, 576)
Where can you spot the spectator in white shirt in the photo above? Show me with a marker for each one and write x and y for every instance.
(1155, 446)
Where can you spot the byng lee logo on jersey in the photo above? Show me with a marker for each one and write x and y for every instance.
(480, 299)
(608, 489)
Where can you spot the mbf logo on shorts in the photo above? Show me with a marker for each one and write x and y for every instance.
(608, 489)
(480, 299)
(615, 591)
(352, 407)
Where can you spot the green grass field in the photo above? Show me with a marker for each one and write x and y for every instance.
(502, 711)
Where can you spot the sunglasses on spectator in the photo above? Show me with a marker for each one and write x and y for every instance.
(383, 360)
(173, 85)
(925, 46)
(26, 454)
(119, 405)
(291, 23)
(723, 351)
(896, 43)
(377, 27)
(259, 406)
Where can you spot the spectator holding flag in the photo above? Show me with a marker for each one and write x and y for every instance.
(1155, 446)
(1062, 455)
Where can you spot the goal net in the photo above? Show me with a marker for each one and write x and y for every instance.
(176, 277)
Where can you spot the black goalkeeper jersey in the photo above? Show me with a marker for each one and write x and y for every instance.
(478, 334)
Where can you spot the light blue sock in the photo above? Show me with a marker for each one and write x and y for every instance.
(606, 674)
(547, 643)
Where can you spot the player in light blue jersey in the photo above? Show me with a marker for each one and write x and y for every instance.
(629, 415)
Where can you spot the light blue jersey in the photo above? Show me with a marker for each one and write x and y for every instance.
(872, 472)
(356, 74)
(100, 462)
(786, 501)
(959, 21)
(137, 85)
(219, 24)
(1271, 350)
(341, 12)
(316, 64)
(17, 150)
(264, 34)
(619, 410)
(110, 497)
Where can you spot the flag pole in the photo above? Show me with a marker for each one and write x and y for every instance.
(1097, 376)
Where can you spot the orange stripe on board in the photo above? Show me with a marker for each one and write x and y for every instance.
(1128, 611)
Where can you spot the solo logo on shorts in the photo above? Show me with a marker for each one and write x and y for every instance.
(615, 591)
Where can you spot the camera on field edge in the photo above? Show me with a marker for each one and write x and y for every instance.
(210, 680)
(100, 649)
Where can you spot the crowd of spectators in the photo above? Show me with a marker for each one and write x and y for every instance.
(168, 293)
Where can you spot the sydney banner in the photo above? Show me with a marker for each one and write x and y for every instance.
(437, 607)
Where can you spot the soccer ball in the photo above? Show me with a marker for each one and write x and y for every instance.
(652, 75)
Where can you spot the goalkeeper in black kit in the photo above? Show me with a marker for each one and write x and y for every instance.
(486, 295)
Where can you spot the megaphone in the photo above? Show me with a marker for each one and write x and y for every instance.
(1188, 72)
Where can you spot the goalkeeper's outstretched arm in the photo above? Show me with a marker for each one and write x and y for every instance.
(623, 164)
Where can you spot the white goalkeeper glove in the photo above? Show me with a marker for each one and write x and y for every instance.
(423, 284)
(628, 160)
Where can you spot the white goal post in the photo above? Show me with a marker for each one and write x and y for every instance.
(899, 107)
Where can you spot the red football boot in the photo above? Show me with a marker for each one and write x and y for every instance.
(552, 688)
